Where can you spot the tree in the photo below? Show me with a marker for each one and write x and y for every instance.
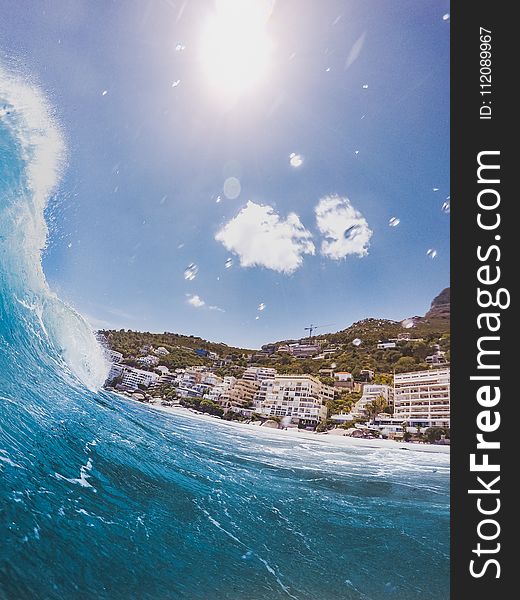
(405, 363)
(433, 434)
(376, 406)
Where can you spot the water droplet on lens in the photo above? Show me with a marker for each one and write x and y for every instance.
(180, 47)
(394, 222)
(191, 272)
(296, 160)
(176, 83)
(356, 152)
(104, 92)
(229, 263)
(446, 206)
(256, 318)
(446, 17)
(218, 200)
(261, 306)
(431, 252)
(327, 70)
(365, 86)
(435, 189)
(357, 342)
(232, 188)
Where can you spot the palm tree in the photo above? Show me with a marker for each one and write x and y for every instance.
(376, 406)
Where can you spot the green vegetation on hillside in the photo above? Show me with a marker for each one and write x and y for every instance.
(408, 355)
(181, 347)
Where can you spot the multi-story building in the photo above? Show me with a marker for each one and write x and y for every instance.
(386, 345)
(422, 398)
(161, 351)
(301, 397)
(113, 356)
(303, 350)
(216, 392)
(371, 391)
(259, 373)
(133, 378)
(366, 374)
(438, 358)
(148, 361)
(240, 395)
(344, 379)
(116, 371)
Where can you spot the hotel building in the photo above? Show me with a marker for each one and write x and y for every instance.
(301, 397)
(422, 398)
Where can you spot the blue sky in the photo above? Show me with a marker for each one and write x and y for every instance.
(359, 90)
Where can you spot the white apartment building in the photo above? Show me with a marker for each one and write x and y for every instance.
(259, 373)
(303, 350)
(386, 345)
(370, 393)
(343, 376)
(116, 370)
(161, 351)
(422, 398)
(113, 356)
(301, 397)
(148, 361)
(132, 378)
(216, 392)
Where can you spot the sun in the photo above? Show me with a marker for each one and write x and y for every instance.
(235, 48)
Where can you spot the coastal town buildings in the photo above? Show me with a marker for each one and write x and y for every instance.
(133, 378)
(240, 395)
(422, 398)
(301, 397)
(344, 379)
(370, 393)
(221, 388)
(304, 350)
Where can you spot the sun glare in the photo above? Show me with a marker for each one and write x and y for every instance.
(236, 49)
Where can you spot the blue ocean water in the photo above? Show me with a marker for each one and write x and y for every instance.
(104, 498)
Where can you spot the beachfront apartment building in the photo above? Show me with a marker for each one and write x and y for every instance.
(116, 371)
(301, 397)
(239, 395)
(422, 398)
(371, 391)
(133, 378)
(216, 391)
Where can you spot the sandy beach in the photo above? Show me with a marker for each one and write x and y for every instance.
(292, 433)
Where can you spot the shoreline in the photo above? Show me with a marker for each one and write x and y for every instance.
(341, 441)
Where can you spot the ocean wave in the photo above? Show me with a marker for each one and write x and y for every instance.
(33, 157)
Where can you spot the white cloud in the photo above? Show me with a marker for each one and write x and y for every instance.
(260, 237)
(211, 307)
(345, 229)
(196, 301)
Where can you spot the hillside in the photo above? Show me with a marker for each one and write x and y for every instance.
(181, 347)
(408, 354)
(440, 307)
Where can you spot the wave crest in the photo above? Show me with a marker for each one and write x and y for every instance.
(32, 157)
